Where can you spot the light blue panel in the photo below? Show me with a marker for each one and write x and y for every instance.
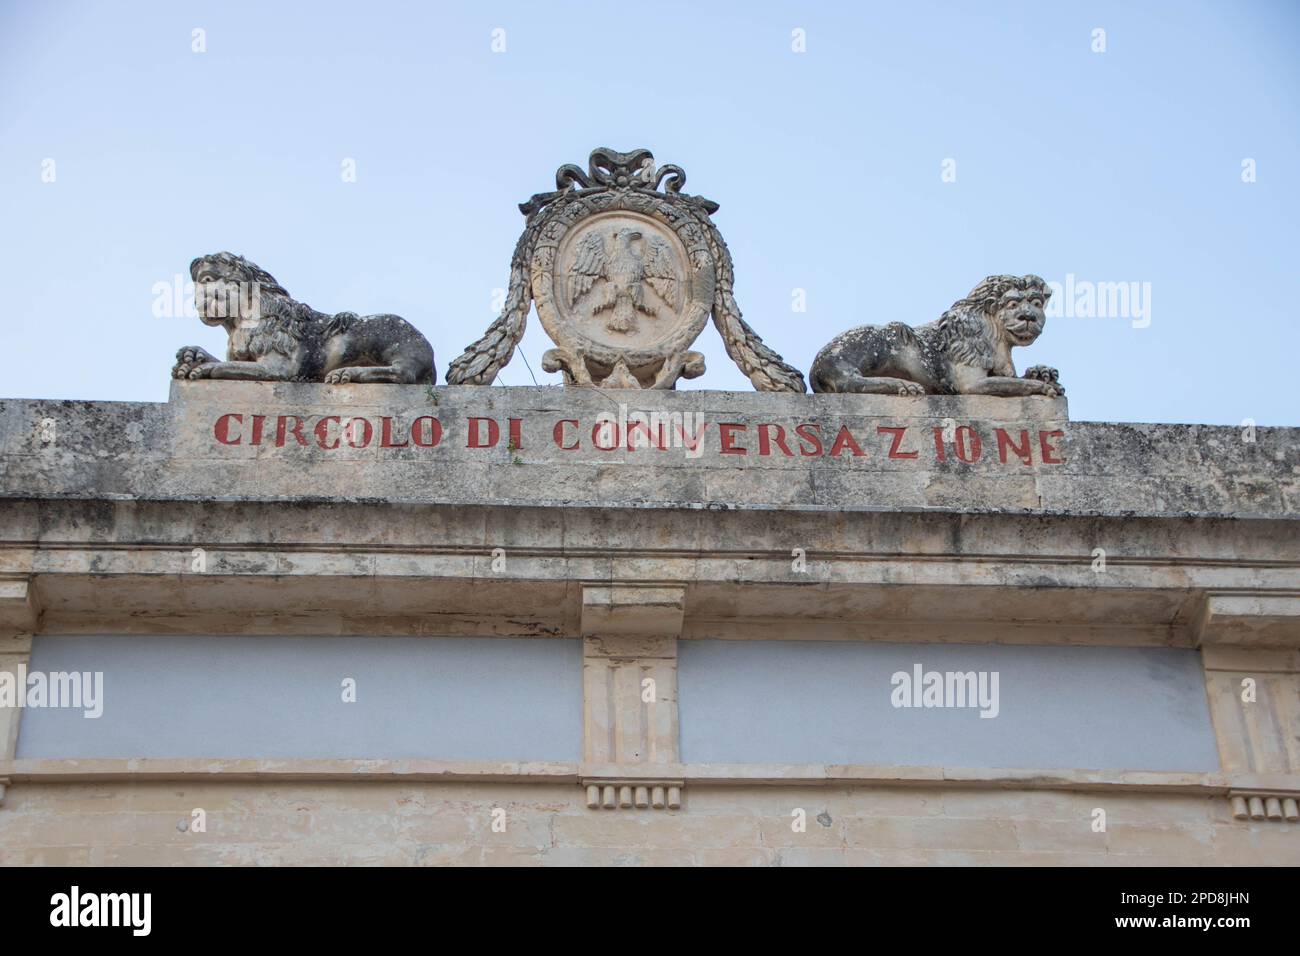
(437, 698)
(830, 702)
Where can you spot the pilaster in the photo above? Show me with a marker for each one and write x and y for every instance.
(1254, 697)
(630, 723)
(19, 613)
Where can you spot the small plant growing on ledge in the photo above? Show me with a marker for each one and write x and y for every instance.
(431, 394)
(513, 448)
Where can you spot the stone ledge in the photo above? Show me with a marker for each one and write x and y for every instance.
(223, 770)
(19, 609)
(1249, 618)
(47, 771)
(1259, 660)
(286, 394)
(637, 612)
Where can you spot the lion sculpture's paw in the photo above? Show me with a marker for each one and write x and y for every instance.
(189, 358)
(1049, 377)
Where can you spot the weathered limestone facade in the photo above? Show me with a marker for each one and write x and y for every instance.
(566, 650)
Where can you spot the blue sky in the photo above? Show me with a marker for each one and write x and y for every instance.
(1122, 166)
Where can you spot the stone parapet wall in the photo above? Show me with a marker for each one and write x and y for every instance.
(548, 446)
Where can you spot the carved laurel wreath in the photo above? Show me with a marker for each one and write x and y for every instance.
(631, 182)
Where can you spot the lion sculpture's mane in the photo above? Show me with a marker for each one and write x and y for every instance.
(285, 321)
(968, 331)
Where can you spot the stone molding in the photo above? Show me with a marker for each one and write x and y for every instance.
(20, 609)
(630, 793)
(583, 774)
(1253, 618)
(906, 576)
(1253, 805)
(653, 612)
(1251, 798)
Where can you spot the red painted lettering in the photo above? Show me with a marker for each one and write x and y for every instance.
(493, 433)
(845, 440)
(608, 429)
(805, 435)
(1021, 450)
(765, 442)
(640, 435)
(386, 435)
(1049, 452)
(367, 432)
(897, 442)
(417, 432)
(558, 434)
(692, 442)
(725, 437)
(323, 432)
(221, 430)
(968, 444)
(282, 431)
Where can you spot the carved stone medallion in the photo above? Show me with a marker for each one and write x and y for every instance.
(625, 277)
(620, 297)
(616, 269)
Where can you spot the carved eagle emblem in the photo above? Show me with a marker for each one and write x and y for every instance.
(627, 261)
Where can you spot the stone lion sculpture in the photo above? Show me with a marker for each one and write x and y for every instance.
(966, 352)
(275, 338)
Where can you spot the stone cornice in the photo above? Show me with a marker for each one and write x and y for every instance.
(690, 775)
